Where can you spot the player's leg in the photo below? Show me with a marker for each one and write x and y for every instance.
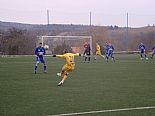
(102, 56)
(44, 67)
(62, 71)
(96, 55)
(35, 68)
(65, 74)
(107, 56)
(88, 56)
(36, 65)
(152, 55)
(44, 63)
(141, 55)
(111, 55)
(145, 56)
(99, 53)
(85, 58)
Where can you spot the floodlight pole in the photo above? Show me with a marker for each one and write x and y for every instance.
(42, 40)
(90, 27)
(127, 35)
(48, 17)
(90, 22)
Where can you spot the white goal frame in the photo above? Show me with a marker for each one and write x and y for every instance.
(68, 38)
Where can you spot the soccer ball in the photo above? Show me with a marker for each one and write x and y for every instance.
(46, 47)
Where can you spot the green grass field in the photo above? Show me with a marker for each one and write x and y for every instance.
(127, 83)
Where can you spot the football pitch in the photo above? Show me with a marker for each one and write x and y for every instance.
(97, 86)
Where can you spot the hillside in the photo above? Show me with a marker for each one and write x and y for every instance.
(13, 33)
(51, 29)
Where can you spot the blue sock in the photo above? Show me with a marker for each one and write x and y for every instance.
(35, 68)
(44, 67)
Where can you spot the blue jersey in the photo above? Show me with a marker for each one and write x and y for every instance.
(106, 49)
(109, 51)
(40, 51)
(111, 48)
(141, 47)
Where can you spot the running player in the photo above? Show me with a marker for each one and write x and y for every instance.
(68, 67)
(98, 51)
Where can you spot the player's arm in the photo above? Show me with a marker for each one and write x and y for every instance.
(59, 56)
(77, 54)
(44, 52)
(113, 48)
(84, 52)
(36, 52)
(139, 47)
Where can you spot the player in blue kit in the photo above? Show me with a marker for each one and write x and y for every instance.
(153, 52)
(142, 51)
(109, 51)
(40, 52)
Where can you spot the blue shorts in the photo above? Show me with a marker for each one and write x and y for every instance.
(110, 53)
(142, 51)
(40, 59)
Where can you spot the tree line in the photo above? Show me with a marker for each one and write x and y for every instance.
(17, 41)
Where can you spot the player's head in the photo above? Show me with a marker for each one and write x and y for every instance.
(86, 42)
(65, 51)
(40, 44)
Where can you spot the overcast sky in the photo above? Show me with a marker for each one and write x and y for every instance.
(104, 12)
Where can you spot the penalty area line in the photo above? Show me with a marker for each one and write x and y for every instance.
(102, 111)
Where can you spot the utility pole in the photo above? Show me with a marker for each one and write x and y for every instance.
(48, 17)
(127, 33)
(90, 22)
(90, 30)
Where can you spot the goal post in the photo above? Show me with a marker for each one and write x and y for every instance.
(58, 43)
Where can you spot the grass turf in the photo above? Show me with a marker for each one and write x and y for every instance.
(129, 82)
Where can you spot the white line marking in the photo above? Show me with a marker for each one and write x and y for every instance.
(102, 111)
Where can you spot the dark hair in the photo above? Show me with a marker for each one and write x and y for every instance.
(65, 51)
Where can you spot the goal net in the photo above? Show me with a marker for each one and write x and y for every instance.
(57, 44)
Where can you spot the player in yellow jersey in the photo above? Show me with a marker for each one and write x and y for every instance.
(98, 51)
(68, 67)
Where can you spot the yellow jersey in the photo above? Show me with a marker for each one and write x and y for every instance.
(97, 47)
(69, 57)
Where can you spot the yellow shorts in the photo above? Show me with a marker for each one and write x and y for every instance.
(67, 68)
(98, 53)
